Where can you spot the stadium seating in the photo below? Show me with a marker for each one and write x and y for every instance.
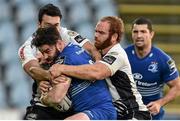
(2, 96)
(25, 13)
(8, 41)
(86, 29)
(5, 11)
(76, 17)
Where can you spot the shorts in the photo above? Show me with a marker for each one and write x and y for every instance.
(159, 116)
(137, 115)
(105, 112)
(45, 113)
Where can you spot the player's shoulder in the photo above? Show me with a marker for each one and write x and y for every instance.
(117, 50)
(68, 32)
(159, 51)
(70, 48)
(160, 54)
(116, 47)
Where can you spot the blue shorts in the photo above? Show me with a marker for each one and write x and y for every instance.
(102, 112)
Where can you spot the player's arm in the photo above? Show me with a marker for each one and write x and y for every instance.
(97, 71)
(57, 92)
(35, 71)
(30, 63)
(170, 71)
(173, 92)
(92, 50)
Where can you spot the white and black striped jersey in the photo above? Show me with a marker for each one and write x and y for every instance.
(121, 83)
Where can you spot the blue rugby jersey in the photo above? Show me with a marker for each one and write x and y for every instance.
(84, 94)
(151, 73)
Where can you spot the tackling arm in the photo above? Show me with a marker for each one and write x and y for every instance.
(93, 72)
(35, 71)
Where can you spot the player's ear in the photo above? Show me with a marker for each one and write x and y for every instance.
(114, 37)
(152, 34)
(59, 45)
(39, 25)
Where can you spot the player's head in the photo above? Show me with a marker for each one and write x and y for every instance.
(49, 15)
(49, 42)
(142, 32)
(109, 31)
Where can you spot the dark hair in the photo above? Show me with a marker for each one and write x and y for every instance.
(116, 25)
(50, 10)
(143, 20)
(48, 35)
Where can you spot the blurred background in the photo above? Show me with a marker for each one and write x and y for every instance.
(18, 20)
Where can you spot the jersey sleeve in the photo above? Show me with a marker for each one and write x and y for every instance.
(113, 60)
(27, 53)
(169, 70)
(73, 37)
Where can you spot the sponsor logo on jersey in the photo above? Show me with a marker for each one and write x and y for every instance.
(153, 67)
(109, 59)
(79, 39)
(137, 76)
(146, 83)
(171, 65)
(60, 60)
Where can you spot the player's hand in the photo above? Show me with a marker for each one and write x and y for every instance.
(154, 107)
(44, 86)
(55, 70)
(60, 79)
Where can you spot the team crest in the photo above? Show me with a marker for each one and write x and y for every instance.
(153, 67)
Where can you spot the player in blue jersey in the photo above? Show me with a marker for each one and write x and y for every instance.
(48, 15)
(114, 66)
(152, 68)
(90, 100)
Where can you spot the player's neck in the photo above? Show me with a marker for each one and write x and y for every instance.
(105, 50)
(142, 52)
